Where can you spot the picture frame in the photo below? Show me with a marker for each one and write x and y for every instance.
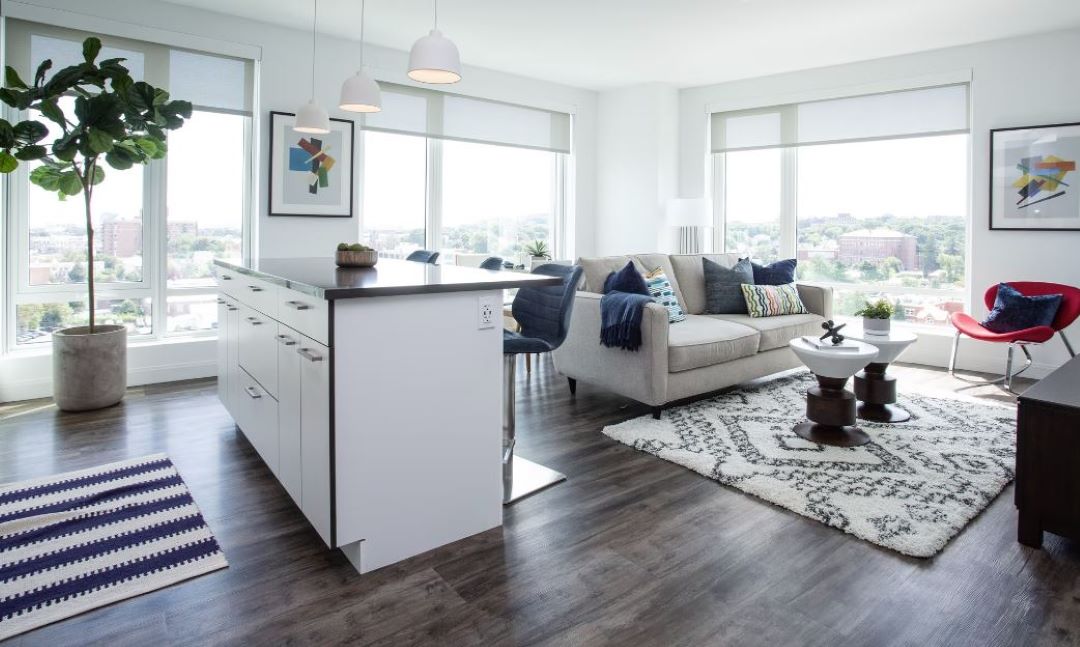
(311, 175)
(1034, 179)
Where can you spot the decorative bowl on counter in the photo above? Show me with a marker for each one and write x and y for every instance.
(366, 258)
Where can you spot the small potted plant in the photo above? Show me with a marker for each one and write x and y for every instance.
(877, 317)
(355, 255)
(538, 250)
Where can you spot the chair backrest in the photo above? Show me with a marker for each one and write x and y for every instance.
(492, 263)
(1070, 299)
(544, 312)
(423, 256)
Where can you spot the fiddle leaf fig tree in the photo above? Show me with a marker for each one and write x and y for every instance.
(103, 117)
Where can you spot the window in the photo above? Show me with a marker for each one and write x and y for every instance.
(851, 187)
(157, 228)
(468, 177)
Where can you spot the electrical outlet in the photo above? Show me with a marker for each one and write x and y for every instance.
(487, 312)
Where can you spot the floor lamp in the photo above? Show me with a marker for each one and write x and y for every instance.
(690, 215)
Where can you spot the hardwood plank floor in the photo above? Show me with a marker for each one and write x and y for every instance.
(631, 550)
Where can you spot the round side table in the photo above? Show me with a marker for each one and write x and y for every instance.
(874, 387)
(829, 406)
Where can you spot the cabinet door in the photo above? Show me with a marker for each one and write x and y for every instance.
(315, 434)
(258, 347)
(289, 458)
(232, 343)
(223, 351)
(257, 416)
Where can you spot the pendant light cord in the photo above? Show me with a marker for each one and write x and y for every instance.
(362, 22)
(435, 3)
(314, 27)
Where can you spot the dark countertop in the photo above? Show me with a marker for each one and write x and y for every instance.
(1061, 388)
(321, 278)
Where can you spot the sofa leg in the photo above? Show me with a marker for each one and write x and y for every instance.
(656, 411)
(573, 385)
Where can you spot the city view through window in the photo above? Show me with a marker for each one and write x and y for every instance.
(869, 221)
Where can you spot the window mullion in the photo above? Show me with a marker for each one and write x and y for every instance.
(433, 217)
(788, 201)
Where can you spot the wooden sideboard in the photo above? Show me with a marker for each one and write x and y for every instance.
(1048, 457)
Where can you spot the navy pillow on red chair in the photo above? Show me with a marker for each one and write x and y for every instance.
(777, 273)
(1013, 311)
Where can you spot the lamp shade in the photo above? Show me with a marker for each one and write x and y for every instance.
(689, 212)
(435, 59)
(360, 93)
(311, 118)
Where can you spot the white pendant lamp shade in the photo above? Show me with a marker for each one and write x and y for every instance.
(311, 118)
(435, 59)
(360, 93)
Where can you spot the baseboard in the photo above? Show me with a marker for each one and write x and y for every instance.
(41, 387)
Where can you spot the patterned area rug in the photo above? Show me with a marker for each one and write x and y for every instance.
(914, 487)
(81, 540)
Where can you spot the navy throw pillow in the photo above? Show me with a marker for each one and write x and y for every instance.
(778, 273)
(628, 279)
(723, 287)
(1014, 311)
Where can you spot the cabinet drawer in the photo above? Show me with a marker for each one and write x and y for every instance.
(305, 314)
(258, 347)
(228, 281)
(257, 417)
(258, 294)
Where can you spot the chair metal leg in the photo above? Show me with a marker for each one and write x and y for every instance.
(1068, 346)
(1009, 374)
(952, 355)
(1008, 368)
(521, 477)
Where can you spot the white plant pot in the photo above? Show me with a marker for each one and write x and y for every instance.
(876, 326)
(89, 370)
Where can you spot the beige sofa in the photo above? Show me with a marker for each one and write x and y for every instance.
(681, 360)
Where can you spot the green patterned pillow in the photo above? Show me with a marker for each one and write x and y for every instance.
(661, 292)
(773, 300)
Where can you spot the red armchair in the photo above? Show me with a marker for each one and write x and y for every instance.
(1066, 314)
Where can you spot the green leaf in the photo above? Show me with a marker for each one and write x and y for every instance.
(8, 163)
(8, 96)
(46, 177)
(7, 134)
(70, 183)
(90, 49)
(99, 175)
(30, 131)
(100, 141)
(66, 147)
(12, 80)
(119, 159)
(149, 145)
(39, 76)
(51, 109)
(27, 153)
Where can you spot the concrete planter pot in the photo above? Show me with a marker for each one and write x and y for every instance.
(876, 326)
(89, 370)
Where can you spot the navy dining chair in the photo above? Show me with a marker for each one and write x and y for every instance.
(492, 263)
(423, 256)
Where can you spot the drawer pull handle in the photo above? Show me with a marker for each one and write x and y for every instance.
(309, 355)
(226, 277)
(221, 302)
(286, 340)
(232, 308)
(254, 321)
(251, 391)
(298, 305)
(255, 288)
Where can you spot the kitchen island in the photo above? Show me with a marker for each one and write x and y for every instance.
(372, 394)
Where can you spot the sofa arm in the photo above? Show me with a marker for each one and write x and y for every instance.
(818, 299)
(641, 374)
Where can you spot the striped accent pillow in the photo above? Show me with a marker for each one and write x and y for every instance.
(773, 300)
(660, 290)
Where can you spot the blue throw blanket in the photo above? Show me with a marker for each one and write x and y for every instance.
(620, 319)
(621, 308)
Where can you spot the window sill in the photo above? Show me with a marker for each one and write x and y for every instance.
(46, 348)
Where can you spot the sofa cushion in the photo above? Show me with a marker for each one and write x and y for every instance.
(703, 340)
(723, 287)
(776, 332)
(691, 277)
(652, 261)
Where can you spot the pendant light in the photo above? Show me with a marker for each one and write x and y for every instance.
(311, 118)
(360, 92)
(434, 58)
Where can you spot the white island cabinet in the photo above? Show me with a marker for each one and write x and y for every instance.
(372, 395)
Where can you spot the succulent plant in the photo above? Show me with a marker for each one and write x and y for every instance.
(538, 249)
(880, 309)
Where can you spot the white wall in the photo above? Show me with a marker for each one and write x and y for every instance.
(284, 85)
(1007, 89)
(637, 167)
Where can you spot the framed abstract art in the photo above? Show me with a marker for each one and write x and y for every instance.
(310, 175)
(1034, 183)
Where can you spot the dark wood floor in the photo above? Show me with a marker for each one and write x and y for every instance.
(632, 550)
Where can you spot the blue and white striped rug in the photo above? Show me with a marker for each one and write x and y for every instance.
(77, 541)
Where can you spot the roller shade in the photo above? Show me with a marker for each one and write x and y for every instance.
(909, 113)
(209, 81)
(440, 115)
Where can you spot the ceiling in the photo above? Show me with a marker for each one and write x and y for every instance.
(609, 43)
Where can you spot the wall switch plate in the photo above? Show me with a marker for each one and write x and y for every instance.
(490, 309)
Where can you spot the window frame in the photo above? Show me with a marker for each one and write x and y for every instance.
(15, 232)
